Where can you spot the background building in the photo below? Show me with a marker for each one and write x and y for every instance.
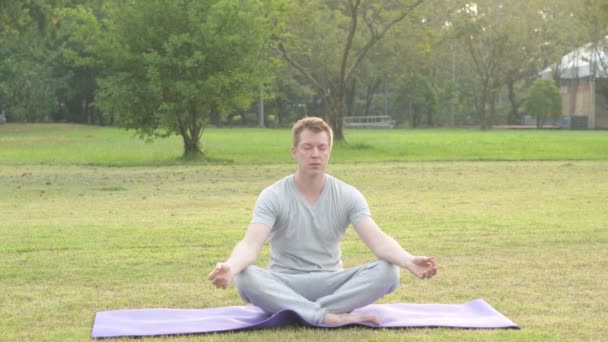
(583, 81)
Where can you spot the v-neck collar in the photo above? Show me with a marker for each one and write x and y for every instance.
(301, 196)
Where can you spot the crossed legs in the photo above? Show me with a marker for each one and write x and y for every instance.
(320, 297)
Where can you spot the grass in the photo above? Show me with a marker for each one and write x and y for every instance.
(78, 236)
(89, 145)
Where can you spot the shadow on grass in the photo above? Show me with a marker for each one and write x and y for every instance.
(201, 158)
(179, 161)
(356, 146)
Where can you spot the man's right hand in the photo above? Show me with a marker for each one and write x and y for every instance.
(221, 276)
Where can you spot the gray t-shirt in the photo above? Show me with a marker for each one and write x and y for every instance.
(305, 237)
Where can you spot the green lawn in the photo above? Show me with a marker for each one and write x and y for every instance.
(79, 235)
(77, 144)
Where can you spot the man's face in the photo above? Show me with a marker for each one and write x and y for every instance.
(312, 152)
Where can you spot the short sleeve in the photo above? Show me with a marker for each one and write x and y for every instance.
(266, 208)
(359, 207)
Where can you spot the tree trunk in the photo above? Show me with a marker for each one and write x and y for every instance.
(486, 106)
(369, 97)
(513, 117)
(492, 115)
(334, 104)
(350, 98)
(414, 115)
(280, 111)
(85, 110)
(191, 146)
(191, 132)
(481, 109)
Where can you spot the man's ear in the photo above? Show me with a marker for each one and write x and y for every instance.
(293, 152)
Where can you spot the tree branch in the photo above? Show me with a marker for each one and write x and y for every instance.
(300, 68)
(351, 34)
(476, 61)
(376, 36)
(401, 17)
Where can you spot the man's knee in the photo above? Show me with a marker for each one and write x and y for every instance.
(244, 277)
(248, 282)
(387, 273)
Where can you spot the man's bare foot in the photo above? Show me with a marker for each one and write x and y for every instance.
(333, 319)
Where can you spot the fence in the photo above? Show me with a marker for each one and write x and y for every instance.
(379, 121)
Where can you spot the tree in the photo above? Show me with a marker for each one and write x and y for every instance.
(537, 37)
(544, 101)
(27, 82)
(292, 96)
(423, 65)
(325, 42)
(420, 97)
(509, 42)
(76, 100)
(170, 64)
(30, 88)
(36, 83)
(591, 17)
(481, 28)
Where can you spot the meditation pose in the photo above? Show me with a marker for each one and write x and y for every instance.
(303, 217)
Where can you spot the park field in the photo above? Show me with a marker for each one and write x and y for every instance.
(92, 219)
(90, 145)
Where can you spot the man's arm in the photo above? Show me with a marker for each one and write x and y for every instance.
(245, 253)
(386, 248)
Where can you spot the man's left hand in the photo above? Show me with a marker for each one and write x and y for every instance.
(422, 267)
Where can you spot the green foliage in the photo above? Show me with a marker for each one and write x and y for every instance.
(291, 97)
(28, 83)
(420, 99)
(544, 101)
(478, 57)
(28, 91)
(171, 64)
(18, 18)
(327, 41)
(507, 43)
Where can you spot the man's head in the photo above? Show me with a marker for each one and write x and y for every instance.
(314, 124)
(312, 139)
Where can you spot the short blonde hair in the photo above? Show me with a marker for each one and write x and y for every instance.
(314, 124)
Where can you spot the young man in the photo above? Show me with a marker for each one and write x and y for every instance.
(304, 216)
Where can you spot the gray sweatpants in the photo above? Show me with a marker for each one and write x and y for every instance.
(313, 295)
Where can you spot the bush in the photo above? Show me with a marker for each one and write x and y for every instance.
(544, 101)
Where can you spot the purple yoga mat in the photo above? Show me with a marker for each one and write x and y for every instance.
(476, 314)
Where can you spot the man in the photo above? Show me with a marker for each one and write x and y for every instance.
(304, 216)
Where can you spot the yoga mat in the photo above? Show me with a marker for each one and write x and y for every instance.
(476, 314)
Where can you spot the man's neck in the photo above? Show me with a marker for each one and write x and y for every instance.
(310, 186)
